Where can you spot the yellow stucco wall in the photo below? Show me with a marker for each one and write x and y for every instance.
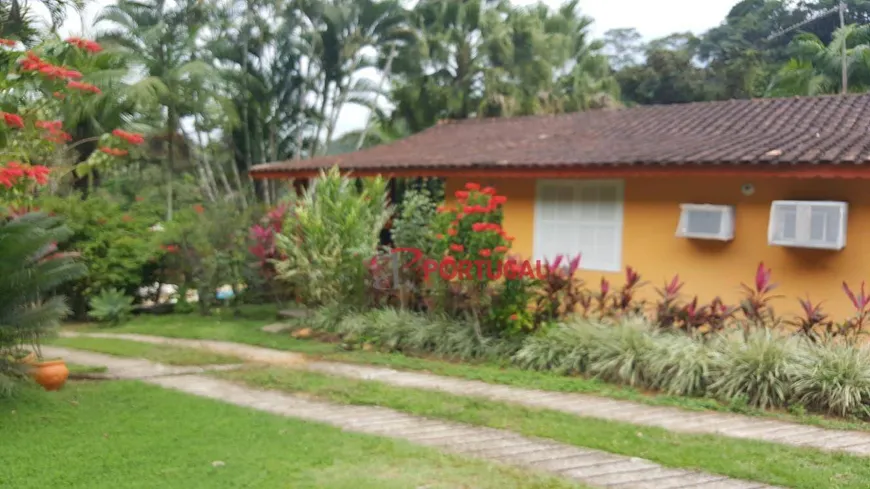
(709, 268)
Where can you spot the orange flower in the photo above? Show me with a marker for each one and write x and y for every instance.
(130, 137)
(485, 253)
(451, 231)
(38, 173)
(114, 151)
(59, 95)
(498, 199)
(49, 125)
(439, 236)
(85, 87)
(198, 209)
(7, 42)
(514, 317)
(457, 248)
(90, 46)
(472, 186)
(509, 238)
(13, 120)
(501, 249)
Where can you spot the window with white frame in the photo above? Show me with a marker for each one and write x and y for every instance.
(705, 221)
(580, 216)
(808, 224)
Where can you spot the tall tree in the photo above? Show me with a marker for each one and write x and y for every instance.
(160, 41)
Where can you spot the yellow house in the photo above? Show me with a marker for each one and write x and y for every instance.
(702, 190)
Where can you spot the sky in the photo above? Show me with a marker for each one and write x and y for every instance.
(652, 19)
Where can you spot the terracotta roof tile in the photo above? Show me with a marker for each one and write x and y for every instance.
(776, 131)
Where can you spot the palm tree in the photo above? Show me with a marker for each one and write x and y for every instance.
(16, 21)
(816, 68)
(159, 42)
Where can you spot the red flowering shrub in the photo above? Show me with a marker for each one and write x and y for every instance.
(37, 89)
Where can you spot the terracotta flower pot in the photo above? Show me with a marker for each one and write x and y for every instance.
(50, 375)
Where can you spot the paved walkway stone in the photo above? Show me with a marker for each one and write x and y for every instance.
(591, 467)
(673, 419)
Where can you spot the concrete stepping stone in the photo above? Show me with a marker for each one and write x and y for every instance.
(591, 467)
(672, 419)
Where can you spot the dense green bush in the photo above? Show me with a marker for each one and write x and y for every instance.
(114, 241)
(206, 248)
(330, 236)
(111, 306)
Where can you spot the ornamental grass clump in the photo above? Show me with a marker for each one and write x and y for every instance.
(563, 348)
(680, 365)
(833, 378)
(757, 368)
(622, 352)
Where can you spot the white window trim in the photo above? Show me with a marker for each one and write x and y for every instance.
(844, 225)
(726, 223)
(619, 221)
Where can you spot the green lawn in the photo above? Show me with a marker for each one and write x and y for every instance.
(125, 434)
(765, 462)
(224, 326)
(167, 354)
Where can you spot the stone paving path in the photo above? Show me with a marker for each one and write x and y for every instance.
(673, 419)
(591, 467)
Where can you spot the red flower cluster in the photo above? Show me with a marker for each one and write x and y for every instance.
(55, 133)
(13, 120)
(130, 137)
(33, 63)
(114, 151)
(90, 46)
(170, 248)
(480, 227)
(7, 42)
(85, 87)
(13, 172)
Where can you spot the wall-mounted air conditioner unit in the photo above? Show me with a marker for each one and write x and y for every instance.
(808, 224)
(705, 221)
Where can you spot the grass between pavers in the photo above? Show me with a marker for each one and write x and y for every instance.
(744, 459)
(224, 326)
(76, 369)
(166, 354)
(126, 434)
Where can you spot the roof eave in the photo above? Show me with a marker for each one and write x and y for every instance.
(781, 170)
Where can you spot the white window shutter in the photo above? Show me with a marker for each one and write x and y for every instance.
(580, 216)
